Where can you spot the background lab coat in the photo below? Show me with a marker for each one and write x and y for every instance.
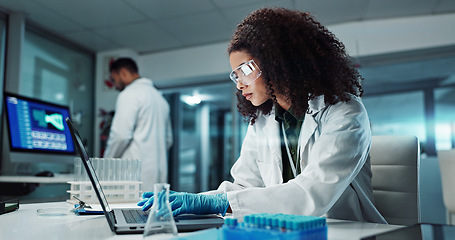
(141, 129)
(336, 177)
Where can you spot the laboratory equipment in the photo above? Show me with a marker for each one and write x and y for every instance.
(267, 226)
(120, 179)
(160, 219)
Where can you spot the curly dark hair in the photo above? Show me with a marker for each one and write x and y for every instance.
(299, 58)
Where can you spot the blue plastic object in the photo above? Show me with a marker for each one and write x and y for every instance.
(266, 226)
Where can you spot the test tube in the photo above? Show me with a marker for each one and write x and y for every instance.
(95, 164)
(133, 170)
(77, 169)
(117, 166)
(120, 169)
(125, 170)
(113, 169)
(137, 169)
(102, 169)
(108, 170)
(116, 170)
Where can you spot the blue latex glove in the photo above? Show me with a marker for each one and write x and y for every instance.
(147, 200)
(182, 202)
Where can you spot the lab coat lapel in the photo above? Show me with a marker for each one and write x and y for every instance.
(309, 123)
(271, 128)
(308, 127)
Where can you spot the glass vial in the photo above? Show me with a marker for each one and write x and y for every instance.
(160, 220)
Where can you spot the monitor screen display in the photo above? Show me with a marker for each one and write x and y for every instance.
(37, 126)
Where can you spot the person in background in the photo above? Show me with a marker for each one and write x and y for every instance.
(306, 150)
(141, 127)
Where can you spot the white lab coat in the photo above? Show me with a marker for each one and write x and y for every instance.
(336, 176)
(141, 129)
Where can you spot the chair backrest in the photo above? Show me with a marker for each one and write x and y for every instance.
(395, 161)
(446, 160)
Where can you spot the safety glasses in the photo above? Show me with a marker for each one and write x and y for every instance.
(246, 73)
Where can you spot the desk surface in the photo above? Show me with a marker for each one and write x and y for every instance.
(26, 224)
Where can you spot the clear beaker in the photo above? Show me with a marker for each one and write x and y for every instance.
(160, 220)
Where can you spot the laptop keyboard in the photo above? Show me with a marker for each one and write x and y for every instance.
(135, 216)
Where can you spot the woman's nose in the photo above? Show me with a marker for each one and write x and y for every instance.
(240, 85)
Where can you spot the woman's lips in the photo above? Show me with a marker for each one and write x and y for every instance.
(247, 95)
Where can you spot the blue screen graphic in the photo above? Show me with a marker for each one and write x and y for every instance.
(37, 126)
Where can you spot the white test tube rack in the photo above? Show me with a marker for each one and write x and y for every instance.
(115, 191)
(119, 179)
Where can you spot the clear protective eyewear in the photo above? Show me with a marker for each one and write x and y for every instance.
(246, 73)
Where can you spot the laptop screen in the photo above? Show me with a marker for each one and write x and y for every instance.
(89, 167)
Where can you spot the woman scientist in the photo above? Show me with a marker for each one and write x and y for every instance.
(307, 145)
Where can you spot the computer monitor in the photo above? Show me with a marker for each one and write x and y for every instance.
(37, 131)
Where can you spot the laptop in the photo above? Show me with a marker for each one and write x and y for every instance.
(132, 220)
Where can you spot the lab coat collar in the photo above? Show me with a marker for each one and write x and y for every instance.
(309, 123)
(140, 80)
(316, 105)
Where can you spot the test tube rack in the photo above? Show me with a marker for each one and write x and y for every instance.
(115, 191)
(266, 226)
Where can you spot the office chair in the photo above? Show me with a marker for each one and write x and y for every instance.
(395, 162)
(446, 160)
